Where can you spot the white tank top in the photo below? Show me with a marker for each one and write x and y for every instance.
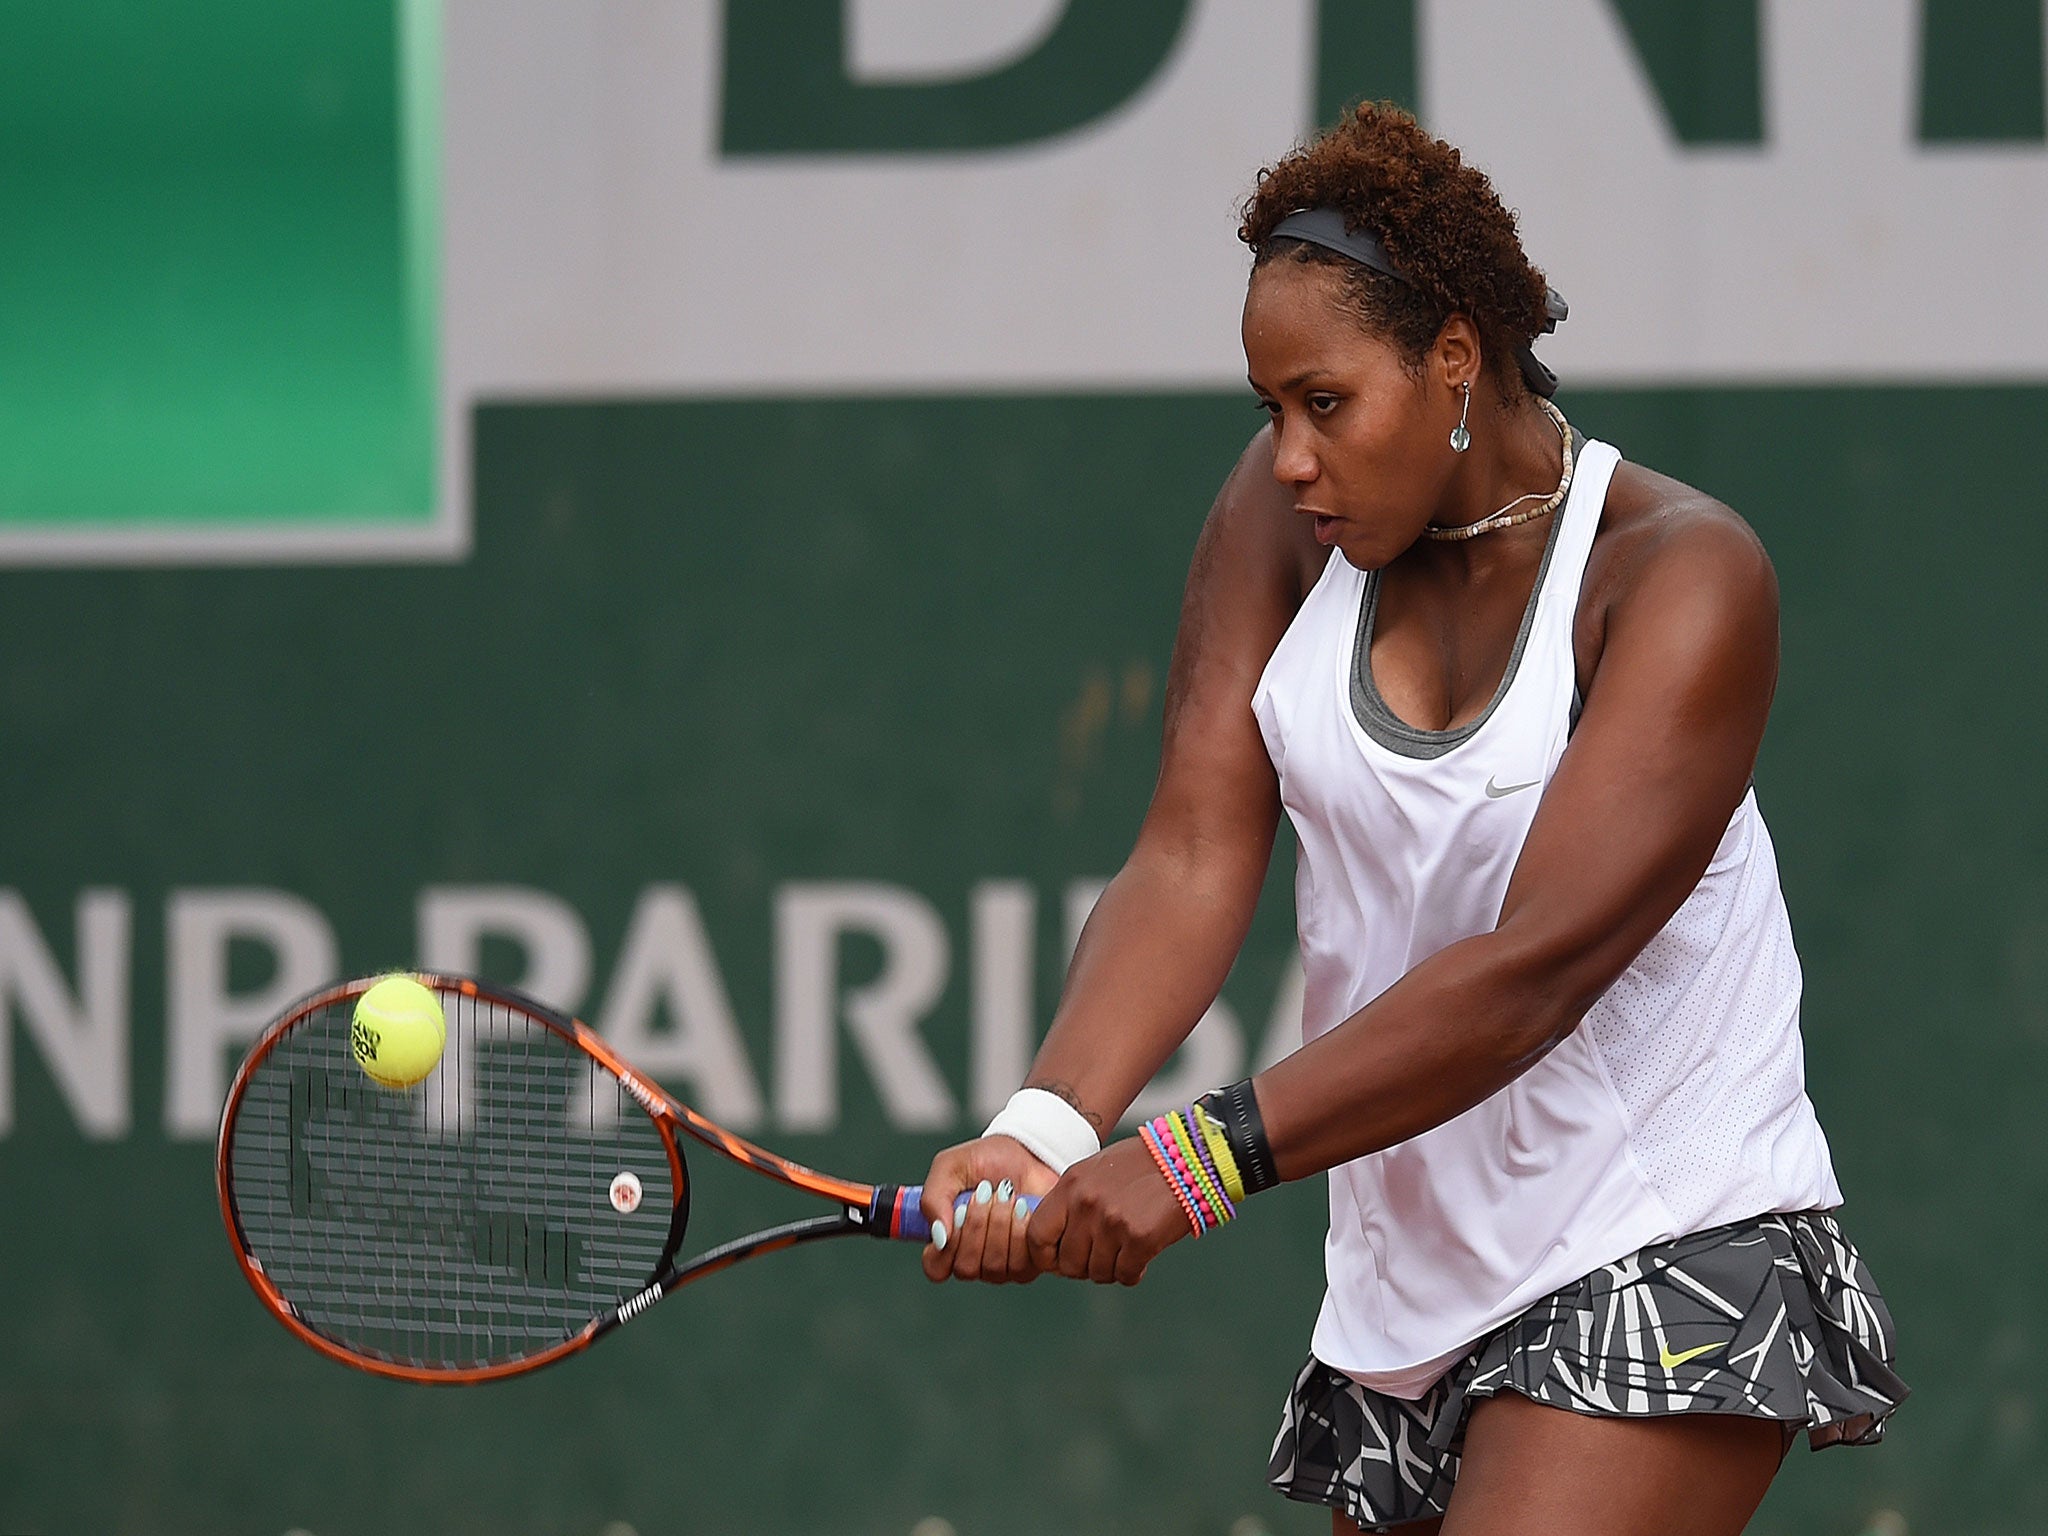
(1677, 1104)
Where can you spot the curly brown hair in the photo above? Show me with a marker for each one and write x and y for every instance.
(1440, 220)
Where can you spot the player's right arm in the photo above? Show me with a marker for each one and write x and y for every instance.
(1163, 935)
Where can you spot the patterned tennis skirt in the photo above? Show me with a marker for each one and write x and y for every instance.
(1774, 1318)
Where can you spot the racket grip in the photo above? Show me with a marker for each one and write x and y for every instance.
(898, 1213)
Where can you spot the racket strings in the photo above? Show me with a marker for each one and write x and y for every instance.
(465, 1221)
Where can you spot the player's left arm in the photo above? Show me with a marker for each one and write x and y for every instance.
(1660, 760)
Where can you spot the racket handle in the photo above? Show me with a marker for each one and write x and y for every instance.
(897, 1212)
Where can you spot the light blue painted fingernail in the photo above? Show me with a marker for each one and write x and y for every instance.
(1003, 1192)
(939, 1235)
(983, 1192)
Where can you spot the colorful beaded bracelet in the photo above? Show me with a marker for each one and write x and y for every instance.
(1166, 1171)
(1195, 1159)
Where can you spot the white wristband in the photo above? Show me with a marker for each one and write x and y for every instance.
(1048, 1127)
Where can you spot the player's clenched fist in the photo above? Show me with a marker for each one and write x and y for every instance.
(984, 1241)
(1107, 1218)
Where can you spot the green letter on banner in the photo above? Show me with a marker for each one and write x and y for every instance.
(1981, 72)
(1705, 59)
(1365, 51)
(787, 91)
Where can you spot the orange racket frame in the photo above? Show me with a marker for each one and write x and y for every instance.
(877, 1210)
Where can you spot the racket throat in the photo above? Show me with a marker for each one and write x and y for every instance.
(633, 1306)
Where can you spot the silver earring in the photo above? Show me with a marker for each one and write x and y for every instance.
(1460, 438)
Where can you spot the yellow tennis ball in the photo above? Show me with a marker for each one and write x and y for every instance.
(398, 1032)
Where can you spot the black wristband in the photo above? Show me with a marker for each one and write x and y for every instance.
(1237, 1109)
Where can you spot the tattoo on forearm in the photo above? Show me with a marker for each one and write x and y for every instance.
(1064, 1092)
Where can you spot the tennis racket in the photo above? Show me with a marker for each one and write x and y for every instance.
(520, 1202)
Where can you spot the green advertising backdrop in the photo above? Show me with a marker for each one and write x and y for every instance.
(222, 222)
(714, 657)
(739, 644)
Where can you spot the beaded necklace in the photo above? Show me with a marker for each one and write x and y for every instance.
(1505, 517)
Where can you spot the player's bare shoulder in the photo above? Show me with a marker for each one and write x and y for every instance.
(1245, 584)
(1255, 513)
(1664, 542)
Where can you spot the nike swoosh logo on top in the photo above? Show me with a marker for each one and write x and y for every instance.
(1673, 1362)
(1495, 791)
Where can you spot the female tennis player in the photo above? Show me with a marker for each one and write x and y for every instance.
(1583, 1274)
